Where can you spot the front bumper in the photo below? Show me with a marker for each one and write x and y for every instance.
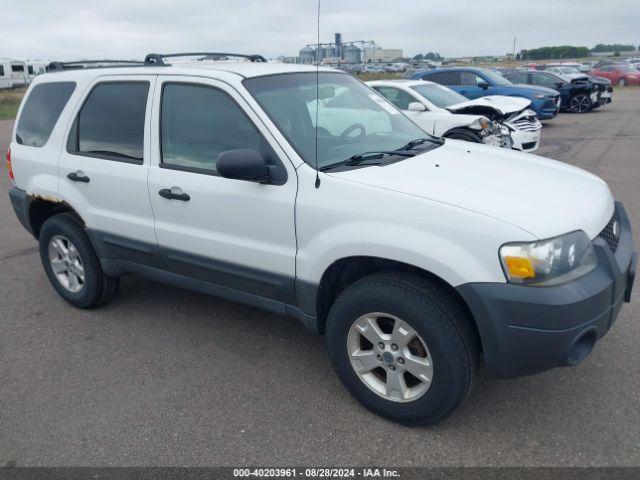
(525, 141)
(526, 329)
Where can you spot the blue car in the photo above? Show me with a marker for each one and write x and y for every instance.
(480, 82)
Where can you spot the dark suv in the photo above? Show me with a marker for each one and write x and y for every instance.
(577, 96)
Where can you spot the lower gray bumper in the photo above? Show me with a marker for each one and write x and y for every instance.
(527, 329)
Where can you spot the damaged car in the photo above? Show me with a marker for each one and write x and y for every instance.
(577, 95)
(572, 74)
(494, 120)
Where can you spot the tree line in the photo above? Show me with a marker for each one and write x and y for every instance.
(570, 51)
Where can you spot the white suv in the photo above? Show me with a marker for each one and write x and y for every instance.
(417, 257)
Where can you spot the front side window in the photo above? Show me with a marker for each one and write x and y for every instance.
(545, 80)
(110, 124)
(1, 71)
(41, 112)
(198, 122)
(30, 69)
(351, 118)
(493, 78)
(517, 77)
(399, 98)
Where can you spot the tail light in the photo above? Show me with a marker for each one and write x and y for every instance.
(9, 168)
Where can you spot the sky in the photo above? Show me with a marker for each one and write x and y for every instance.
(73, 29)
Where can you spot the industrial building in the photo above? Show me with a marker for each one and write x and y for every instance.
(352, 52)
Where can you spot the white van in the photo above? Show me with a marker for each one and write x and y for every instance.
(419, 258)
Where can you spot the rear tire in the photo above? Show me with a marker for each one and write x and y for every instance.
(465, 135)
(428, 312)
(79, 279)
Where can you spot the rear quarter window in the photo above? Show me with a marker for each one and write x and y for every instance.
(41, 111)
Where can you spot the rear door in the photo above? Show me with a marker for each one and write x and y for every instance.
(103, 169)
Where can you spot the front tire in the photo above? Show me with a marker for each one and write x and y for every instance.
(465, 135)
(580, 103)
(403, 346)
(71, 263)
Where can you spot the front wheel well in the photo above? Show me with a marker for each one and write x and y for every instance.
(346, 271)
(41, 210)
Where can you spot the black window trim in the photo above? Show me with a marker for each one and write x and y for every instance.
(206, 171)
(73, 128)
(66, 105)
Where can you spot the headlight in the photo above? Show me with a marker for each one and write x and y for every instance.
(548, 262)
(481, 123)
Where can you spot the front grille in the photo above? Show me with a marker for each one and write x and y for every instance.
(607, 234)
(526, 124)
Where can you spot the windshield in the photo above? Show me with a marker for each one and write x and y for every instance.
(495, 78)
(352, 118)
(438, 95)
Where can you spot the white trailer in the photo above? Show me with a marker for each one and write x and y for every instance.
(5, 74)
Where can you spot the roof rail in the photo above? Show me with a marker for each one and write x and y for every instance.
(158, 58)
(59, 66)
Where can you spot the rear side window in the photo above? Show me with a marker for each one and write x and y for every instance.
(30, 69)
(1, 71)
(518, 78)
(198, 123)
(110, 124)
(444, 78)
(41, 112)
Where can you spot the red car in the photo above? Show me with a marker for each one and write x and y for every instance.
(620, 75)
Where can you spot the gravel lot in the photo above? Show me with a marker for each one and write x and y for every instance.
(163, 376)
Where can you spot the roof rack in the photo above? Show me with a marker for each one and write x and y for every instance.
(58, 66)
(158, 58)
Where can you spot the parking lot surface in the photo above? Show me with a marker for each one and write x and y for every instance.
(163, 376)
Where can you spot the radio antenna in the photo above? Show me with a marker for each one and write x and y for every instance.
(317, 95)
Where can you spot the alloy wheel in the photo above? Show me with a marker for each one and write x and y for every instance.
(66, 263)
(389, 357)
(580, 104)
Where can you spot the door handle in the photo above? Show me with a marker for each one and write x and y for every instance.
(174, 193)
(78, 176)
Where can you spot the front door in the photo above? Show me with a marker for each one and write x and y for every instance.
(233, 233)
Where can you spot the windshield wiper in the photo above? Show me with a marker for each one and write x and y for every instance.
(367, 157)
(420, 141)
(374, 155)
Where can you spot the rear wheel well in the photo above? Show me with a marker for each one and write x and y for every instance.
(344, 272)
(41, 210)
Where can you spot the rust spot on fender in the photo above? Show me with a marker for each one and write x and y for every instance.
(46, 198)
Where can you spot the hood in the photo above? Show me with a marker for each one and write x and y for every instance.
(500, 103)
(599, 80)
(575, 76)
(533, 89)
(540, 196)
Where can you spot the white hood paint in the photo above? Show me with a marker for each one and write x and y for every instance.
(501, 103)
(541, 196)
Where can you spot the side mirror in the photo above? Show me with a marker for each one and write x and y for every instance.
(416, 107)
(243, 164)
(483, 85)
(559, 84)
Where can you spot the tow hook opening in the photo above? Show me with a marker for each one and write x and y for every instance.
(581, 347)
